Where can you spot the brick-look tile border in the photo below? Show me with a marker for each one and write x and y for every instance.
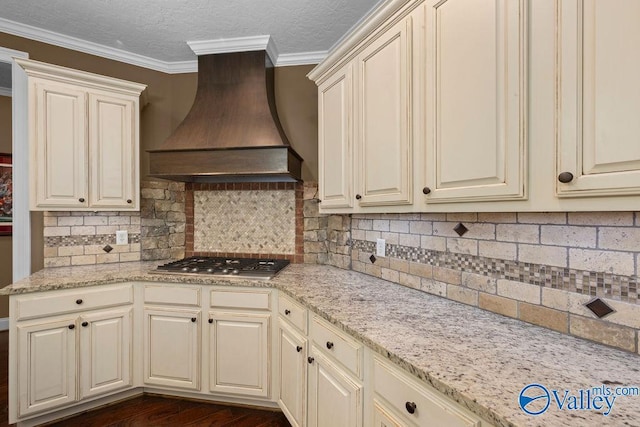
(297, 258)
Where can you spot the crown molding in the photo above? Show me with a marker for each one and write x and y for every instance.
(236, 44)
(303, 58)
(5, 91)
(57, 39)
(199, 47)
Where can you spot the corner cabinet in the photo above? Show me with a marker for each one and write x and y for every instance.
(365, 111)
(83, 139)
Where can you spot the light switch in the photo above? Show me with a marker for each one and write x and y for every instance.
(122, 237)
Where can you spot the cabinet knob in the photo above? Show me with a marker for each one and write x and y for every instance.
(411, 407)
(193, 319)
(78, 301)
(426, 190)
(129, 201)
(358, 197)
(319, 201)
(565, 177)
(287, 312)
(81, 199)
(298, 349)
(85, 324)
(210, 320)
(310, 359)
(72, 326)
(329, 345)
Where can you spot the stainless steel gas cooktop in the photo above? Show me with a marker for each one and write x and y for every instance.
(248, 268)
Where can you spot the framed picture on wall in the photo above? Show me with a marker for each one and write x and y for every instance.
(6, 194)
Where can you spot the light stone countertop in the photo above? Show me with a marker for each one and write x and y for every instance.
(480, 359)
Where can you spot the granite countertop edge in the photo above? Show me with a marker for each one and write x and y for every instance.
(298, 282)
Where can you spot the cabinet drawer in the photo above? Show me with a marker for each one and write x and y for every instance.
(248, 299)
(71, 300)
(336, 343)
(172, 295)
(431, 407)
(293, 312)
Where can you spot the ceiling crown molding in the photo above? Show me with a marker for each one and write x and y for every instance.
(237, 44)
(61, 40)
(177, 67)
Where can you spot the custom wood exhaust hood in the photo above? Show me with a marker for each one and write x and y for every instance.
(232, 132)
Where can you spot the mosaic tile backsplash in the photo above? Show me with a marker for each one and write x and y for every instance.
(245, 221)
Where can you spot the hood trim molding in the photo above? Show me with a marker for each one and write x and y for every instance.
(237, 44)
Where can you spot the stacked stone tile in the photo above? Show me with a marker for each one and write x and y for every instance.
(163, 220)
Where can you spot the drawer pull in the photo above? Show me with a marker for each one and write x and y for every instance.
(72, 326)
(426, 190)
(78, 301)
(85, 324)
(287, 312)
(129, 201)
(298, 349)
(193, 319)
(565, 177)
(310, 360)
(329, 345)
(210, 320)
(81, 199)
(411, 407)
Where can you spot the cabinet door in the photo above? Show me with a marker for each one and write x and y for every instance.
(105, 352)
(384, 106)
(239, 353)
(58, 132)
(172, 348)
(599, 97)
(113, 151)
(46, 365)
(293, 375)
(334, 398)
(335, 143)
(384, 417)
(476, 100)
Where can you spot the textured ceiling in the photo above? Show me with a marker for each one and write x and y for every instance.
(159, 29)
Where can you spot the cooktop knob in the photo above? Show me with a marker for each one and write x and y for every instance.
(195, 269)
(185, 268)
(225, 270)
(209, 270)
(235, 271)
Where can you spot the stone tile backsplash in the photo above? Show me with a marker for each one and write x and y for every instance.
(80, 238)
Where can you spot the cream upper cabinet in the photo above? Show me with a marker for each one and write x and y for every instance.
(112, 152)
(384, 154)
(83, 138)
(476, 100)
(335, 140)
(599, 98)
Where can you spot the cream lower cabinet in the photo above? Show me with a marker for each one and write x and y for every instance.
(172, 348)
(292, 369)
(239, 353)
(61, 359)
(83, 139)
(335, 397)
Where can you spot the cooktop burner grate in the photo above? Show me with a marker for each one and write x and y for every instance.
(232, 267)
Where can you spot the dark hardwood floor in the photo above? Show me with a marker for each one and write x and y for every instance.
(151, 410)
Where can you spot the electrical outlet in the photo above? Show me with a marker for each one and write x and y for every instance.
(122, 237)
(380, 247)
